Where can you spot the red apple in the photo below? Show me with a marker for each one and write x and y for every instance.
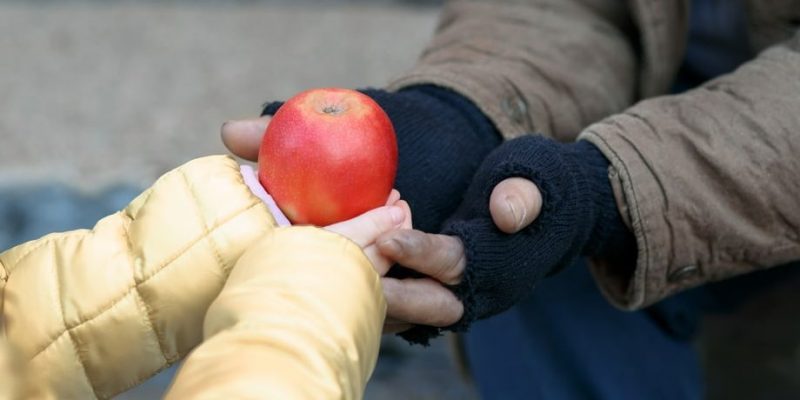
(328, 155)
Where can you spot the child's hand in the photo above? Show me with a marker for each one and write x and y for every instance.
(367, 227)
(363, 230)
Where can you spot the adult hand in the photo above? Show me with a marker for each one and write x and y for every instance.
(514, 204)
(534, 206)
(569, 212)
(441, 137)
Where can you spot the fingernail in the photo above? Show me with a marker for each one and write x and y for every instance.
(397, 215)
(513, 204)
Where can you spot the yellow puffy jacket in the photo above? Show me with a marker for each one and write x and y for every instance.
(95, 312)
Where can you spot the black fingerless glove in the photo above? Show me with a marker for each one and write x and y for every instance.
(578, 217)
(442, 138)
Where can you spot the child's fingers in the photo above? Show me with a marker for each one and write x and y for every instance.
(394, 196)
(365, 228)
(379, 262)
(394, 200)
(421, 301)
(407, 210)
(391, 328)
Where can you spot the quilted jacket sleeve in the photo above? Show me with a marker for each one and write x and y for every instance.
(95, 312)
(290, 323)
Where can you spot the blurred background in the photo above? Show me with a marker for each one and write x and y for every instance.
(101, 92)
(98, 98)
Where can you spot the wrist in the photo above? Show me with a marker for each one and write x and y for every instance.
(609, 237)
(481, 128)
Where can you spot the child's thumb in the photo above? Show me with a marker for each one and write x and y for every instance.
(365, 228)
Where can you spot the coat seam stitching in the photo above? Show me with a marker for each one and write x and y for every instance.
(143, 304)
(163, 267)
(149, 320)
(144, 201)
(136, 289)
(45, 242)
(198, 213)
(82, 363)
(72, 341)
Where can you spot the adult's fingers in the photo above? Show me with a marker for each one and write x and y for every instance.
(367, 227)
(243, 137)
(514, 204)
(421, 301)
(438, 256)
(392, 328)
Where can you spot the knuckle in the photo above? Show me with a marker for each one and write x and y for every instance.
(452, 255)
(447, 312)
(396, 297)
(413, 243)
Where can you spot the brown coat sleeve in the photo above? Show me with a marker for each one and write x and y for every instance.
(710, 179)
(549, 66)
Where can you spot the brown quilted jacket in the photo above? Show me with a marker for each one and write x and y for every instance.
(708, 180)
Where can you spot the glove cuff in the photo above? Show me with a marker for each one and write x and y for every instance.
(610, 237)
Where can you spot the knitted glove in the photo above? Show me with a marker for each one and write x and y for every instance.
(578, 217)
(442, 138)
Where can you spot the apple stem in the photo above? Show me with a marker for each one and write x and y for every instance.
(331, 110)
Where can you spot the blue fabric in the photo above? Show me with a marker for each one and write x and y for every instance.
(718, 42)
(566, 341)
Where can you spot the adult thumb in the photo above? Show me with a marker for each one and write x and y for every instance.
(243, 137)
(514, 204)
